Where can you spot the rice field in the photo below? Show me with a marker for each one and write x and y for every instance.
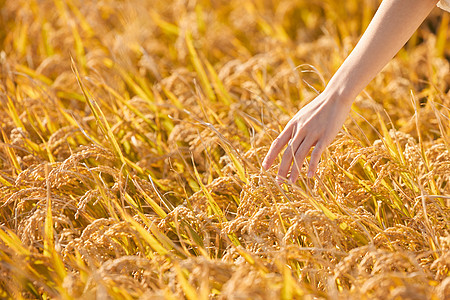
(132, 136)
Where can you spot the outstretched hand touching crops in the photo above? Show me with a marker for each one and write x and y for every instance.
(315, 125)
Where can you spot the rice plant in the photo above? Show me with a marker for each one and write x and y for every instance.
(132, 136)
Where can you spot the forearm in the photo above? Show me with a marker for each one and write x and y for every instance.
(317, 123)
(392, 26)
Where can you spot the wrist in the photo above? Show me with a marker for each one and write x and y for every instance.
(341, 92)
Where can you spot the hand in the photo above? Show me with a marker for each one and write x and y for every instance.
(316, 125)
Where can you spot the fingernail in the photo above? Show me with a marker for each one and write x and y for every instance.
(264, 165)
(310, 174)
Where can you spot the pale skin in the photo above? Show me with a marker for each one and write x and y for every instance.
(317, 124)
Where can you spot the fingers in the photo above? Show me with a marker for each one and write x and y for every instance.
(276, 147)
(289, 154)
(315, 157)
(299, 157)
(287, 158)
(296, 152)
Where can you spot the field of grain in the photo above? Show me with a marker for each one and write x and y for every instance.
(132, 135)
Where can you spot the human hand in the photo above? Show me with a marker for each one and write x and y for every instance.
(315, 125)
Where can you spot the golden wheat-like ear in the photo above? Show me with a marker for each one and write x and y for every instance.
(132, 135)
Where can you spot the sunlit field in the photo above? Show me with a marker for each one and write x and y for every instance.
(132, 136)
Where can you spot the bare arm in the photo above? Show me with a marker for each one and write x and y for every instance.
(392, 26)
(317, 123)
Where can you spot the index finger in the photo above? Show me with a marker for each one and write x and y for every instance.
(276, 147)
